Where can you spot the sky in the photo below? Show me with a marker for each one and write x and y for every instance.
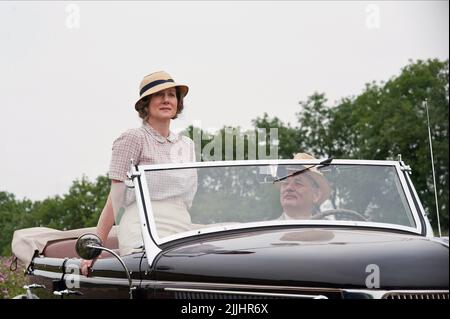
(70, 71)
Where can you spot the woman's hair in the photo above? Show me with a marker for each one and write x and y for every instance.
(142, 106)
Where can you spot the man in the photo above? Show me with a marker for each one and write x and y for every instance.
(302, 194)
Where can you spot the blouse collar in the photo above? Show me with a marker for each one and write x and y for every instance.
(172, 138)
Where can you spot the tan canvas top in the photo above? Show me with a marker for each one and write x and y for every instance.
(30, 241)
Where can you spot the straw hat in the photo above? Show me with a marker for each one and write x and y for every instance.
(156, 82)
(316, 175)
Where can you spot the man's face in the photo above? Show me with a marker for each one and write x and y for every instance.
(298, 195)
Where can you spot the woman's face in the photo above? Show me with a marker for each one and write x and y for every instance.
(163, 104)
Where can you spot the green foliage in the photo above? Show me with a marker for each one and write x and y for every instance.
(79, 208)
(220, 190)
(14, 214)
(289, 141)
(11, 282)
(387, 119)
(390, 119)
(234, 143)
(82, 206)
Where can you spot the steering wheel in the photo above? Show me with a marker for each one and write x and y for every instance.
(347, 214)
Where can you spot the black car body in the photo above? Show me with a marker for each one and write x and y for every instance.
(239, 247)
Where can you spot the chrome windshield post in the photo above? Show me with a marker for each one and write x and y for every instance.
(403, 166)
(147, 224)
(133, 172)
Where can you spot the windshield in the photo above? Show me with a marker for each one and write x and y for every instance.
(189, 199)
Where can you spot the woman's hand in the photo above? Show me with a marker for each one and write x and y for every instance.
(86, 265)
(104, 225)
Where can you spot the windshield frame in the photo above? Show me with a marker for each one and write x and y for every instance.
(149, 226)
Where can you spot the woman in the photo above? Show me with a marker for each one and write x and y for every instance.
(161, 100)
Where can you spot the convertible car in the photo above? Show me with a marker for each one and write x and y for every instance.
(246, 229)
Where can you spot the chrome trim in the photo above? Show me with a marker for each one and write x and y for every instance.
(130, 282)
(428, 229)
(403, 166)
(409, 199)
(209, 285)
(417, 295)
(318, 223)
(362, 293)
(252, 293)
(104, 281)
(382, 294)
(151, 249)
(108, 281)
(48, 274)
(154, 167)
(155, 284)
(67, 292)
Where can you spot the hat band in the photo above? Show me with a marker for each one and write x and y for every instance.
(152, 84)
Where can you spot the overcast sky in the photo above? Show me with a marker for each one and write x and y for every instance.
(70, 71)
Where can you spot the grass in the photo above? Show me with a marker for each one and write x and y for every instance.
(11, 282)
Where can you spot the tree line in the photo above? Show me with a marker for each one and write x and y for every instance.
(386, 119)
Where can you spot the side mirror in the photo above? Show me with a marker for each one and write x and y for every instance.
(86, 246)
(89, 246)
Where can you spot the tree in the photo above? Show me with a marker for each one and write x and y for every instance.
(385, 120)
(14, 214)
(82, 206)
(288, 137)
(79, 208)
(390, 119)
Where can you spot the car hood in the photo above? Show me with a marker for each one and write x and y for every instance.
(313, 257)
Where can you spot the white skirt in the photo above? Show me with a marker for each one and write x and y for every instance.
(170, 218)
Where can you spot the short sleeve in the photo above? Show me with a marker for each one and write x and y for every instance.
(125, 148)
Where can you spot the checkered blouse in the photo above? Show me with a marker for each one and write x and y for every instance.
(146, 146)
